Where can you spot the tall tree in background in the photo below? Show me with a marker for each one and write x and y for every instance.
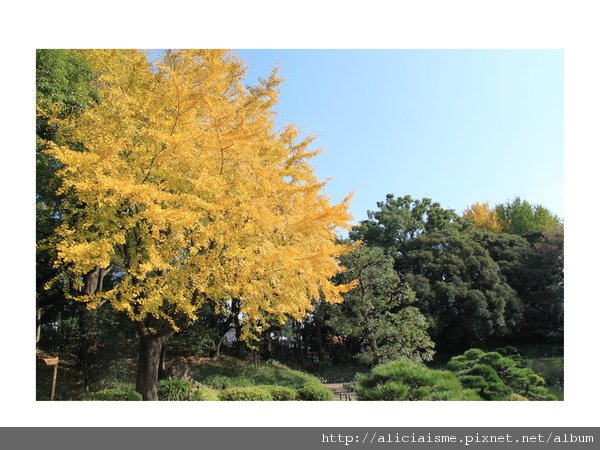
(399, 220)
(186, 191)
(529, 252)
(460, 289)
(379, 311)
(483, 217)
(520, 217)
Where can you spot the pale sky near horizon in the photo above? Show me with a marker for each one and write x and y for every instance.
(457, 126)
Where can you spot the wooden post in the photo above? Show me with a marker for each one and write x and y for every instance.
(54, 363)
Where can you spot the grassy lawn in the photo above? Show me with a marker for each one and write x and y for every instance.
(225, 372)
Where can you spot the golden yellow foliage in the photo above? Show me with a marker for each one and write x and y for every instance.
(483, 217)
(185, 186)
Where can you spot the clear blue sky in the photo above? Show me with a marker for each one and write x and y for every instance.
(455, 126)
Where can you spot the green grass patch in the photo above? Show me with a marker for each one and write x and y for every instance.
(116, 395)
(226, 372)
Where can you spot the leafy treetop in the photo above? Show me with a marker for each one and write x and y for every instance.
(185, 187)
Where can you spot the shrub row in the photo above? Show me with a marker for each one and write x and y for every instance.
(180, 390)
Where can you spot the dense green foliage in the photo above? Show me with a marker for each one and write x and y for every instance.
(175, 390)
(499, 375)
(475, 287)
(250, 393)
(405, 380)
(379, 311)
(205, 394)
(116, 395)
(314, 392)
(461, 290)
(533, 265)
(228, 372)
(399, 220)
(281, 393)
(521, 217)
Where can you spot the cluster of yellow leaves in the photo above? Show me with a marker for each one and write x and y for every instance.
(185, 184)
(483, 217)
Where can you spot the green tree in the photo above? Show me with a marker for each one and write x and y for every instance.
(460, 289)
(399, 220)
(533, 266)
(520, 217)
(379, 312)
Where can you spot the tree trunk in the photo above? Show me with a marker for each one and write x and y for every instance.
(88, 341)
(218, 347)
(148, 365)
(269, 347)
(299, 344)
(371, 339)
(162, 365)
(94, 282)
(38, 324)
(319, 337)
(240, 346)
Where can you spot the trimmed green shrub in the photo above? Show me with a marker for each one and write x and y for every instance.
(116, 395)
(253, 393)
(174, 390)
(314, 392)
(508, 351)
(498, 377)
(205, 394)
(516, 398)
(281, 393)
(405, 380)
(392, 390)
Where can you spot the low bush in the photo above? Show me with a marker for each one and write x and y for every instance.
(405, 380)
(281, 393)
(225, 372)
(253, 393)
(498, 375)
(314, 392)
(205, 394)
(174, 390)
(116, 395)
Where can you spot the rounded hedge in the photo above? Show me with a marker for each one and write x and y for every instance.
(405, 380)
(314, 392)
(116, 395)
(281, 393)
(250, 393)
(205, 394)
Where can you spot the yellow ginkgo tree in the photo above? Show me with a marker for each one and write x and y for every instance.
(181, 186)
(483, 217)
